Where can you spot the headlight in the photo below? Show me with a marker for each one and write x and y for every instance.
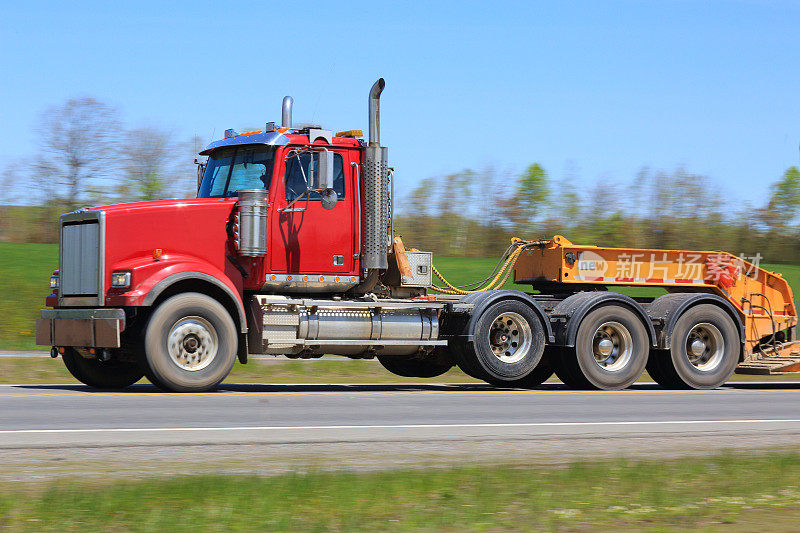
(54, 281)
(121, 279)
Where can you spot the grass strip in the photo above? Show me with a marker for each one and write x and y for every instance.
(731, 492)
(38, 370)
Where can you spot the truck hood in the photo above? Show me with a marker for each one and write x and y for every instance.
(154, 206)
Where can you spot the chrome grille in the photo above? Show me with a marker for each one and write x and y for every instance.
(81, 258)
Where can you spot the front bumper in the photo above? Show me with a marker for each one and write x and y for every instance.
(91, 328)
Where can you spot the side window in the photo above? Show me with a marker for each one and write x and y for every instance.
(296, 182)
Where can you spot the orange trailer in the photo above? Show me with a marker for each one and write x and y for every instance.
(762, 300)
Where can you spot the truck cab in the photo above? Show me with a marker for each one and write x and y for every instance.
(312, 242)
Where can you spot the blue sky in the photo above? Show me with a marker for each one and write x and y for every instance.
(601, 87)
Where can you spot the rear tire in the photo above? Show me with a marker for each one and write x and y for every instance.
(508, 342)
(704, 350)
(412, 368)
(101, 374)
(459, 351)
(610, 352)
(190, 343)
(543, 371)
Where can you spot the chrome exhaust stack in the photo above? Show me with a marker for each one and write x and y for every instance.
(375, 112)
(376, 234)
(286, 112)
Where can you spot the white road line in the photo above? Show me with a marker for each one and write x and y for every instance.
(400, 426)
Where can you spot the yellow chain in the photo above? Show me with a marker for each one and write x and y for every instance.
(510, 262)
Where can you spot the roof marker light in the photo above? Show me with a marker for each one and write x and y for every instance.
(350, 133)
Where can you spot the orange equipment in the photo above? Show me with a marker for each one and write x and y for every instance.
(762, 299)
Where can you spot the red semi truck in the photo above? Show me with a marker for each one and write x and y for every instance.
(289, 249)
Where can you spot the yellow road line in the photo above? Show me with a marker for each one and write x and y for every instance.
(356, 393)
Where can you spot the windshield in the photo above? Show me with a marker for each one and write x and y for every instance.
(240, 167)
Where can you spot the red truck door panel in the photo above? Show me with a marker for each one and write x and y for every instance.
(308, 238)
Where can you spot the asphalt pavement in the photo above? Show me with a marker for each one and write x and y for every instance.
(66, 415)
(67, 430)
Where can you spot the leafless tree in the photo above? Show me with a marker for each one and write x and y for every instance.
(149, 160)
(79, 141)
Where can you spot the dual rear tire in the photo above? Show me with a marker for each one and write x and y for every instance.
(507, 346)
(612, 349)
(704, 350)
(610, 352)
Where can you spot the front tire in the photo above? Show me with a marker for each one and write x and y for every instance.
(101, 374)
(190, 343)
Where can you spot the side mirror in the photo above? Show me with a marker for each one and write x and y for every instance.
(323, 178)
(328, 199)
(201, 169)
(320, 171)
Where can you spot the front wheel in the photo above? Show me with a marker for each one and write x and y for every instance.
(190, 343)
(101, 374)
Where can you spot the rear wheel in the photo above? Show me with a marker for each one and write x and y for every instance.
(413, 368)
(189, 344)
(508, 342)
(704, 350)
(541, 373)
(610, 352)
(101, 374)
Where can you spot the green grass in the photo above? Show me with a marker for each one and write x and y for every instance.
(46, 370)
(25, 273)
(32, 370)
(24, 282)
(729, 492)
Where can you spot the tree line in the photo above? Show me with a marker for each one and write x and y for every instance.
(85, 155)
(475, 213)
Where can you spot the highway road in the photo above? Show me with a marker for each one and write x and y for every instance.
(374, 425)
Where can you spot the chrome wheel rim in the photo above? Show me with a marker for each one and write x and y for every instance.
(705, 347)
(192, 343)
(510, 337)
(612, 346)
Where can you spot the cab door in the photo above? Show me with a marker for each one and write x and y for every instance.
(305, 238)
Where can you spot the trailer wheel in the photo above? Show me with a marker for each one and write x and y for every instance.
(508, 342)
(413, 368)
(101, 374)
(189, 344)
(610, 352)
(704, 350)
